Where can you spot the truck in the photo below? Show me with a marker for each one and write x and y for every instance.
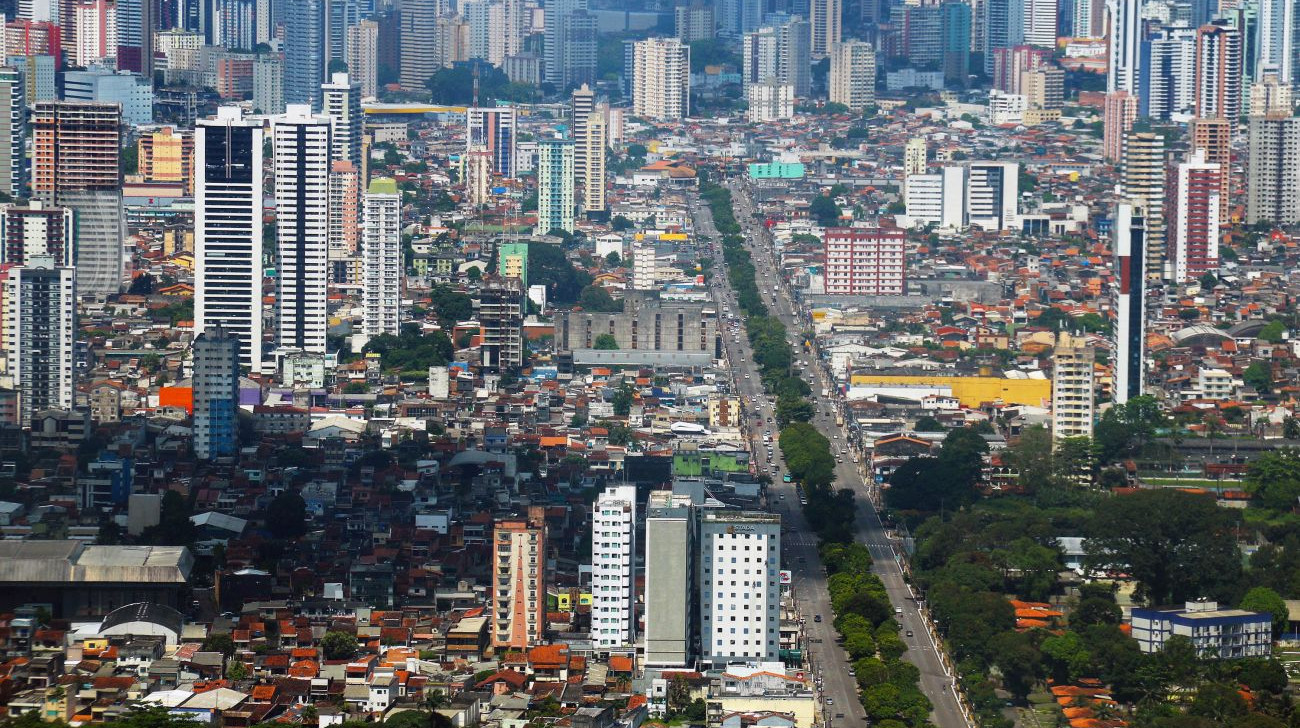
(825, 393)
(839, 420)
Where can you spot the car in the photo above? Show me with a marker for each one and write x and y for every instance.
(817, 617)
(898, 610)
(909, 633)
(830, 701)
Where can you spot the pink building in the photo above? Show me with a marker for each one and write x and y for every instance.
(863, 261)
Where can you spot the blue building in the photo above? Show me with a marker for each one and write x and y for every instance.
(216, 394)
(133, 91)
(1214, 632)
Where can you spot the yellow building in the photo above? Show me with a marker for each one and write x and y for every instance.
(970, 391)
(167, 155)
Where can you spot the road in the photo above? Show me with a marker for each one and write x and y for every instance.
(829, 659)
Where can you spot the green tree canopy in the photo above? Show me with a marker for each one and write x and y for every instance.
(1274, 478)
(548, 266)
(1263, 599)
(338, 645)
(597, 299)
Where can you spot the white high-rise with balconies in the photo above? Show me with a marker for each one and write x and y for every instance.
(853, 74)
(1073, 407)
(613, 564)
(382, 248)
(661, 78)
(301, 143)
(341, 99)
(39, 321)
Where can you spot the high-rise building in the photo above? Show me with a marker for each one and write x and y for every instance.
(645, 266)
(34, 38)
(76, 151)
(865, 261)
(769, 101)
(341, 99)
(301, 144)
(1003, 26)
(738, 17)
(1089, 18)
(1218, 72)
(131, 91)
(554, 185)
(992, 194)
(361, 52)
(234, 24)
(1040, 23)
(305, 51)
(914, 157)
(167, 156)
(421, 58)
(215, 379)
(1144, 187)
(826, 21)
(477, 172)
(595, 142)
(582, 103)
(1273, 170)
(1129, 232)
(1169, 77)
(268, 83)
(1124, 70)
(779, 54)
(518, 618)
(955, 42)
(493, 130)
(1010, 63)
(1193, 209)
(1073, 395)
(137, 21)
(501, 323)
(344, 223)
(1271, 97)
(1278, 49)
(228, 200)
(694, 21)
(512, 262)
(570, 44)
(661, 79)
(13, 132)
(1044, 88)
(740, 611)
(40, 318)
(938, 198)
(1212, 138)
(32, 230)
(96, 36)
(671, 603)
(852, 77)
(38, 77)
(339, 16)
(613, 561)
(1119, 113)
(383, 259)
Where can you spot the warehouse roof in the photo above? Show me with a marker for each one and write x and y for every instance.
(75, 561)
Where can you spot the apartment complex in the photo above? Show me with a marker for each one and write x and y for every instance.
(865, 261)
(518, 583)
(1073, 393)
(613, 562)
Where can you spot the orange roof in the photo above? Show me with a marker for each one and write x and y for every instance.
(620, 663)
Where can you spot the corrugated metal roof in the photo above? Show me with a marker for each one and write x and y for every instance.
(74, 561)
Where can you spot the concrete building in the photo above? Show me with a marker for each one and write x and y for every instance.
(645, 324)
(555, 202)
(937, 198)
(1129, 232)
(1167, 89)
(569, 44)
(1218, 84)
(215, 378)
(826, 20)
(94, 33)
(38, 77)
(772, 101)
(1193, 210)
(89, 133)
(228, 200)
(865, 261)
(13, 132)
(1278, 43)
(167, 156)
(130, 90)
(1212, 138)
(645, 266)
(1144, 186)
(1273, 170)
(661, 79)
(595, 142)
(779, 53)
(35, 229)
(1119, 113)
(493, 130)
(382, 248)
(512, 261)
(694, 21)
(853, 74)
(268, 84)
(1124, 69)
(1073, 393)
(914, 157)
(306, 51)
(344, 235)
(477, 173)
(1218, 634)
(740, 560)
(501, 323)
(518, 583)
(613, 568)
(39, 324)
(361, 52)
(1270, 97)
(420, 56)
(301, 144)
(671, 603)
(341, 99)
(1040, 23)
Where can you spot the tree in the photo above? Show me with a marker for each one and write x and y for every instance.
(451, 306)
(1209, 281)
(219, 643)
(338, 645)
(1260, 376)
(237, 670)
(623, 400)
(621, 223)
(597, 299)
(1176, 545)
(1019, 661)
(174, 526)
(286, 516)
(613, 260)
(1263, 599)
(606, 342)
(928, 424)
(1274, 478)
(141, 285)
(824, 210)
(548, 266)
(1219, 702)
(1273, 332)
(1126, 430)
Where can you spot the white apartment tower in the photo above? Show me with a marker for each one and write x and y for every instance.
(40, 317)
(853, 74)
(342, 104)
(595, 140)
(361, 51)
(301, 144)
(1125, 65)
(1273, 170)
(228, 194)
(661, 78)
(613, 566)
(740, 610)
(826, 19)
(1073, 408)
(914, 157)
(13, 133)
(382, 248)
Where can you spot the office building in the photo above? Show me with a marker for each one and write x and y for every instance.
(955, 41)
(137, 21)
(38, 74)
(570, 44)
(740, 611)
(1193, 211)
(518, 617)
(694, 21)
(937, 198)
(769, 101)
(554, 185)
(1168, 83)
(382, 248)
(342, 104)
(420, 57)
(1217, 87)
(228, 252)
(865, 261)
(1124, 69)
(1119, 113)
(1002, 27)
(13, 132)
(923, 35)
(301, 144)
(671, 604)
(215, 379)
(166, 156)
(661, 79)
(613, 568)
(40, 319)
(1212, 138)
(1273, 170)
(1128, 230)
(501, 323)
(361, 53)
(493, 130)
(826, 20)
(853, 74)
(33, 230)
(1144, 186)
(76, 151)
(133, 92)
(1073, 407)
(305, 59)
(1215, 634)
(992, 194)
(95, 37)
(344, 223)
